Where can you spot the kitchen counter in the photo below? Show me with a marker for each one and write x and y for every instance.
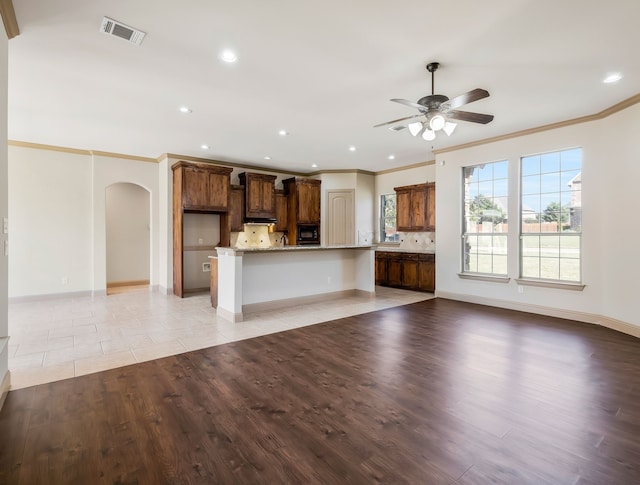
(396, 249)
(310, 247)
(254, 279)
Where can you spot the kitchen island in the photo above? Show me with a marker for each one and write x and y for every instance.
(254, 279)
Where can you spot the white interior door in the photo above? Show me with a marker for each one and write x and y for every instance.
(340, 217)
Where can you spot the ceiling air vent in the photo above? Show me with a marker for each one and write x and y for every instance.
(113, 27)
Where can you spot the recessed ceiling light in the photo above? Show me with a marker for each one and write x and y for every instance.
(184, 109)
(228, 56)
(315, 165)
(612, 78)
(283, 133)
(391, 157)
(352, 148)
(204, 147)
(267, 158)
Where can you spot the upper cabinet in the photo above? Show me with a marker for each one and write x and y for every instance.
(260, 202)
(416, 207)
(304, 200)
(201, 187)
(281, 211)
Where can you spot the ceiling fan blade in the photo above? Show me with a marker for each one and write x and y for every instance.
(469, 116)
(393, 122)
(463, 99)
(406, 102)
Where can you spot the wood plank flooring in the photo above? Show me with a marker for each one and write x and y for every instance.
(437, 392)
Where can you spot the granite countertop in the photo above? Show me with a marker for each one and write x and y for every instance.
(311, 247)
(397, 249)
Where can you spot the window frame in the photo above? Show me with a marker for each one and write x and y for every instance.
(542, 281)
(383, 220)
(464, 233)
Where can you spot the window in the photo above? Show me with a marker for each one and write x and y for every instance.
(485, 223)
(551, 221)
(388, 218)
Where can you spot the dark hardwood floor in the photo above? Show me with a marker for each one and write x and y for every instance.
(437, 392)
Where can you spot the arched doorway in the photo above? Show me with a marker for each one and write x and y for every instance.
(128, 248)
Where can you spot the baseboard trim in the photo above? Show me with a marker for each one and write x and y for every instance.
(53, 296)
(302, 300)
(608, 322)
(4, 388)
(118, 284)
(227, 315)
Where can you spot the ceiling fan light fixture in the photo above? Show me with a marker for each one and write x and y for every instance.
(429, 135)
(437, 122)
(449, 127)
(415, 128)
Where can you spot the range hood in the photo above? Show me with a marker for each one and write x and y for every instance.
(260, 220)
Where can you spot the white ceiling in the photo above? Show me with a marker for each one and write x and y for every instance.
(324, 71)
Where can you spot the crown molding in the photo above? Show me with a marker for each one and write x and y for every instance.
(406, 167)
(552, 126)
(9, 18)
(228, 164)
(78, 151)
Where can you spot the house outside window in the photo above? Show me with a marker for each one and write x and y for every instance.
(551, 220)
(388, 231)
(485, 218)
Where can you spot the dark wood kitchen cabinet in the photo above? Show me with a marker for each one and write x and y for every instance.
(304, 199)
(416, 207)
(410, 271)
(233, 220)
(197, 187)
(259, 199)
(281, 211)
(201, 187)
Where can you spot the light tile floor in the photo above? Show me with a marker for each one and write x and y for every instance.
(57, 339)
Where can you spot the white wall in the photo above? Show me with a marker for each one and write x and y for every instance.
(365, 208)
(128, 228)
(4, 210)
(50, 209)
(58, 213)
(610, 230)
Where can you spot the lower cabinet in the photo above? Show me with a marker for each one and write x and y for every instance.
(410, 271)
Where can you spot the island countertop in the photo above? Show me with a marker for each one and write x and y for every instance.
(310, 247)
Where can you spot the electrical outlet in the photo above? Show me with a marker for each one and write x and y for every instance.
(200, 241)
(329, 280)
(520, 289)
(206, 267)
(5, 225)
(65, 280)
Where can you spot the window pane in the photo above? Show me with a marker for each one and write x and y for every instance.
(570, 246)
(499, 264)
(486, 188)
(531, 184)
(485, 263)
(485, 172)
(531, 246)
(550, 162)
(550, 182)
(500, 188)
(550, 268)
(530, 165)
(550, 245)
(570, 269)
(472, 191)
(501, 170)
(571, 159)
(530, 267)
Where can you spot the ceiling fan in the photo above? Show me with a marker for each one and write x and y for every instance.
(436, 110)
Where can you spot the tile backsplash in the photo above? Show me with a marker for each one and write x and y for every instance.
(417, 240)
(257, 236)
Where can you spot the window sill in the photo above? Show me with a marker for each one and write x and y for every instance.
(481, 277)
(551, 284)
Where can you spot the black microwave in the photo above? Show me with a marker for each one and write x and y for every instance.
(308, 234)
